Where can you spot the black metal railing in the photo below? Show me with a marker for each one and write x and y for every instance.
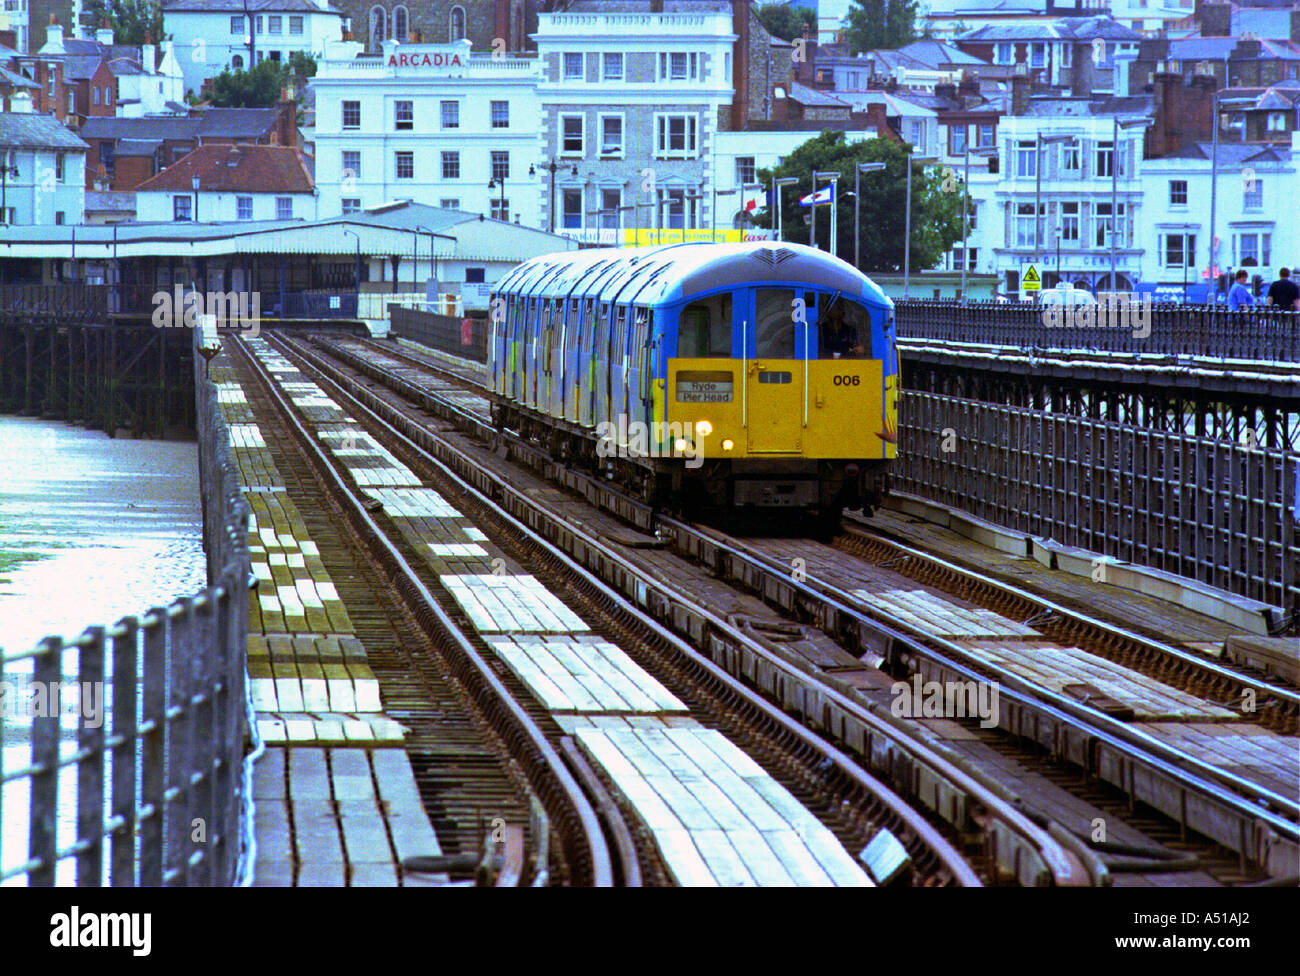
(1122, 326)
(159, 797)
(318, 305)
(460, 337)
(69, 303)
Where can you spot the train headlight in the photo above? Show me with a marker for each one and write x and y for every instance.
(728, 444)
(680, 445)
(703, 428)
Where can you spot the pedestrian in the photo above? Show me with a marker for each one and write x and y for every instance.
(1239, 295)
(1283, 293)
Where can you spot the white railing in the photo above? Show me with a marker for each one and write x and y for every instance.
(374, 305)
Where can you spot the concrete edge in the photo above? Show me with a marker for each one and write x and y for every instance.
(1251, 616)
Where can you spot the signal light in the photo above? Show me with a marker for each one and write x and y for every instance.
(728, 444)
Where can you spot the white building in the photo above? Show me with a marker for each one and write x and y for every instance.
(1074, 209)
(213, 35)
(1257, 186)
(145, 87)
(230, 182)
(45, 177)
(430, 123)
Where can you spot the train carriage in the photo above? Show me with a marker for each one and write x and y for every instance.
(703, 375)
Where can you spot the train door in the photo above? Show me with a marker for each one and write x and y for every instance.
(773, 408)
(618, 365)
(561, 373)
(600, 406)
(573, 371)
(638, 372)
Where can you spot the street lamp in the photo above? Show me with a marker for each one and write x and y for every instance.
(777, 183)
(719, 193)
(833, 177)
(1042, 141)
(984, 152)
(907, 221)
(1142, 123)
(857, 206)
(1214, 186)
(357, 271)
(551, 167)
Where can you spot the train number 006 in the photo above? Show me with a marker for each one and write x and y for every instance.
(847, 380)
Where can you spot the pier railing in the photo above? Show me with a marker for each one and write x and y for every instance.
(156, 772)
(465, 337)
(1263, 334)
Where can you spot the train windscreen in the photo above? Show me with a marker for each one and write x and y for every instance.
(704, 329)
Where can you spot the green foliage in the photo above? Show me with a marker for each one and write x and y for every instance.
(873, 24)
(131, 20)
(786, 22)
(260, 86)
(936, 202)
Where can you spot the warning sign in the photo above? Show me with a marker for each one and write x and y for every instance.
(1030, 280)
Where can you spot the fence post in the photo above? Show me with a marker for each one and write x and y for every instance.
(123, 802)
(42, 837)
(152, 756)
(90, 768)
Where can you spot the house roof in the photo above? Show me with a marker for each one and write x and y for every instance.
(125, 66)
(936, 54)
(810, 96)
(142, 127)
(1233, 154)
(237, 123)
(137, 147)
(1220, 48)
(16, 80)
(1072, 106)
(80, 67)
(1066, 28)
(235, 167)
(256, 6)
(27, 130)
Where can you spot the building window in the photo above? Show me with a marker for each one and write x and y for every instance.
(610, 201)
(449, 203)
(60, 166)
(451, 115)
(1038, 55)
(378, 27)
(1179, 250)
(181, 207)
(475, 276)
(611, 67)
(745, 170)
(1105, 157)
(59, 216)
(571, 135)
(284, 208)
(500, 209)
(1067, 54)
(405, 163)
(573, 66)
(1276, 121)
(401, 24)
(1070, 222)
(500, 165)
(456, 30)
(244, 208)
(917, 128)
(1025, 227)
(571, 208)
(985, 135)
(675, 135)
(1177, 193)
(236, 64)
(1103, 224)
(273, 23)
(351, 115)
(679, 66)
(108, 94)
(94, 95)
(1026, 160)
(72, 102)
(1070, 158)
(679, 210)
(351, 164)
(237, 25)
(1252, 197)
(1253, 250)
(351, 205)
(403, 114)
(1004, 53)
(611, 135)
(500, 115)
(451, 165)
(295, 25)
(956, 140)
(257, 22)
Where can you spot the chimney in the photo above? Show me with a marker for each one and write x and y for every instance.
(970, 84)
(1020, 91)
(1183, 112)
(656, 6)
(1216, 20)
(21, 101)
(946, 89)
(53, 37)
(148, 57)
(104, 35)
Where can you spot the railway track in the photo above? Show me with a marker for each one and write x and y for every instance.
(836, 790)
(1230, 814)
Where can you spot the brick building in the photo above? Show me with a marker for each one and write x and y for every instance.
(442, 22)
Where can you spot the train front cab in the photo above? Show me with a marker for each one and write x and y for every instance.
(795, 417)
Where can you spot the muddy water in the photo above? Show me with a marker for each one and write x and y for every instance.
(91, 530)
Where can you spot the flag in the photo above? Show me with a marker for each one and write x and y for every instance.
(824, 195)
(753, 204)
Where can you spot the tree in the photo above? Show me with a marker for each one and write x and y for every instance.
(255, 88)
(936, 202)
(133, 21)
(887, 24)
(786, 21)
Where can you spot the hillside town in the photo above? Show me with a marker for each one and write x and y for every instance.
(1109, 145)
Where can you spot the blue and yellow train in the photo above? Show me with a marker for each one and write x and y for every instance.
(703, 375)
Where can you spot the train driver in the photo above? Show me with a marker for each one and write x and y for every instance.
(839, 339)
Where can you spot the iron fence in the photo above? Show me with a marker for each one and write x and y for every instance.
(1216, 511)
(1260, 334)
(67, 303)
(317, 305)
(162, 789)
(465, 337)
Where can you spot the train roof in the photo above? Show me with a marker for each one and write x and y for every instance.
(669, 273)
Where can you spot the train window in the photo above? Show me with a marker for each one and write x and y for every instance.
(843, 330)
(704, 328)
(774, 323)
